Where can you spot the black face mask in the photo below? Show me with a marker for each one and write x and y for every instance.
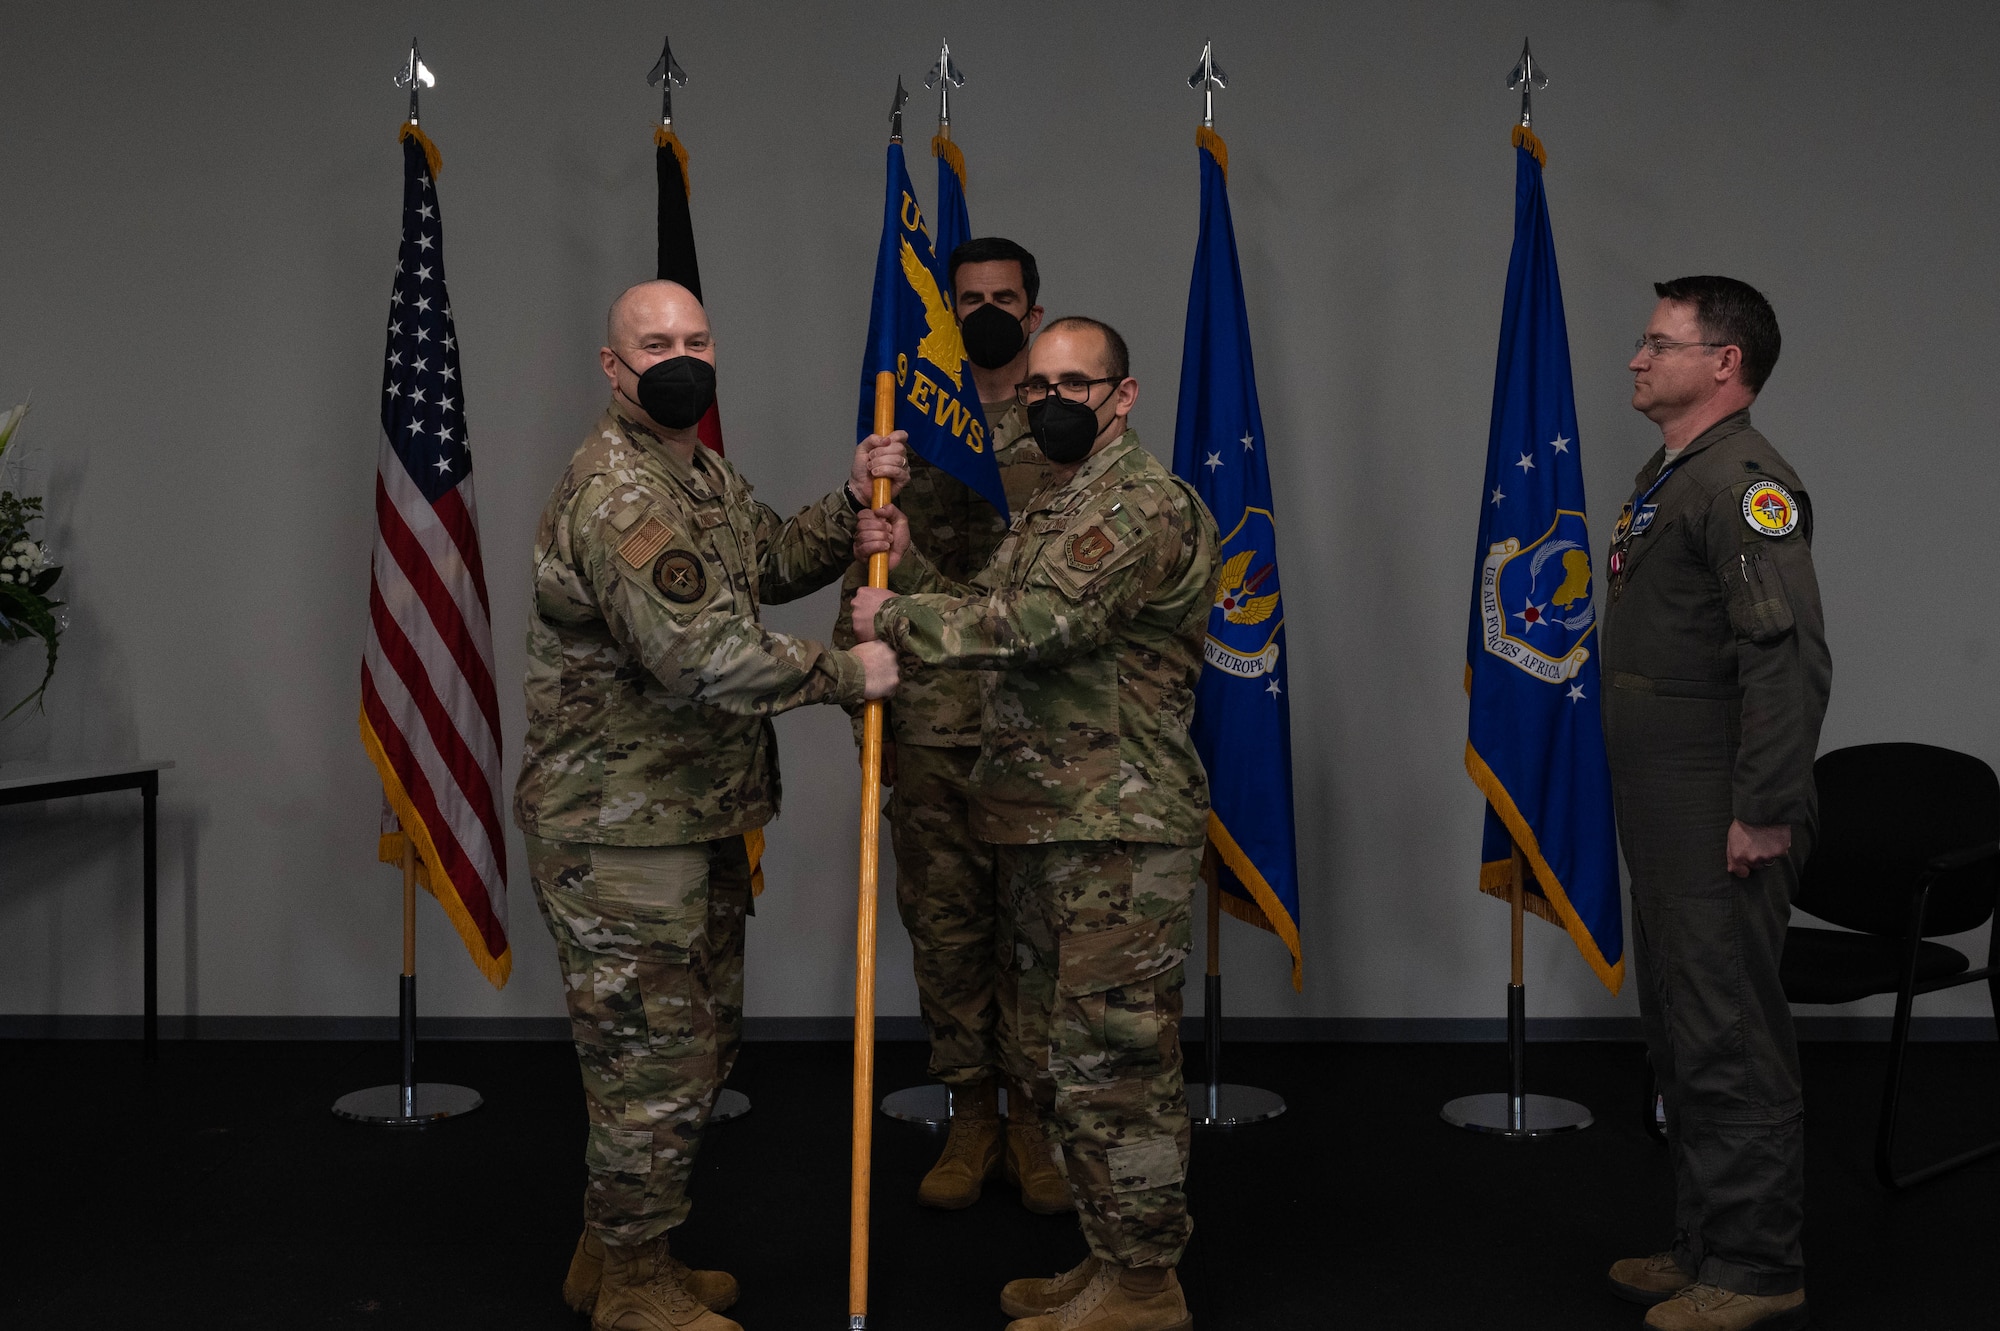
(1064, 429)
(678, 391)
(993, 337)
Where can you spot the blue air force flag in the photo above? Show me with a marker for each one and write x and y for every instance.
(954, 221)
(913, 334)
(1535, 745)
(1242, 712)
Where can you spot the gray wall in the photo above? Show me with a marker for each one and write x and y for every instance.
(198, 212)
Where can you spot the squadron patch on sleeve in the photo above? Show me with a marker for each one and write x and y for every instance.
(647, 540)
(1770, 510)
(680, 577)
(1088, 548)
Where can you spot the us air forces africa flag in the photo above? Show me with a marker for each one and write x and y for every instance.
(1242, 710)
(1536, 740)
(913, 333)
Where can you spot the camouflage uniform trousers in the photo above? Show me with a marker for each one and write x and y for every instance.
(1102, 931)
(651, 944)
(961, 935)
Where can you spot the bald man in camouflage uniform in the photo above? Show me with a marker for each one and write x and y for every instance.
(947, 879)
(649, 759)
(1093, 612)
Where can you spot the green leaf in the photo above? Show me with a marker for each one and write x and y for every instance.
(27, 614)
(45, 580)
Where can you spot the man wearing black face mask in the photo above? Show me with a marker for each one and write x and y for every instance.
(651, 769)
(1093, 613)
(946, 885)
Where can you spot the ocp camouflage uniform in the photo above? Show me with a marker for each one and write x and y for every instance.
(1093, 612)
(649, 756)
(947, 881)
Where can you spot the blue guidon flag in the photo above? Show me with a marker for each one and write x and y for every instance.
(913, 334)
(1242, 712)
(1535, 745)
(954, 219)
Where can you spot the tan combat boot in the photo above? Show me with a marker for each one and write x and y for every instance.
(641, 1288)
(1029, 1165)
(1712, 1308)
(1031, 1298)
(971, 1149)
(1109, 1302)
(1652, 1279)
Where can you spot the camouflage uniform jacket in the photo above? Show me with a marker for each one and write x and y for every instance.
(1094, 609)
(958, 532)
(650, 681)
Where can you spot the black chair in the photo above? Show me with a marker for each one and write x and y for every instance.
(1909, 849)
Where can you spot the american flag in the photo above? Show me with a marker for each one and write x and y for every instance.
(430, 718)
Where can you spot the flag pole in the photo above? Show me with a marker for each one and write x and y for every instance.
(1224, 1104)
(409, 1103)
(1517, 1114)
(864, 924)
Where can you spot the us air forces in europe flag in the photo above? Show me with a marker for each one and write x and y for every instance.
(1242, 711)
(1536, 739)
(913, 333)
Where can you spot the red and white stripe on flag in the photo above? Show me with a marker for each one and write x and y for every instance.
(430, 716)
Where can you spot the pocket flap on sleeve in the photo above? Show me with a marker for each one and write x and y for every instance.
(1090, 963)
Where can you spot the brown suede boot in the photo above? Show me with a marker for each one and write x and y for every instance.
(1652, 1279)
(1029, 1165)
(1032, 1297)
(1107, 1304)
(972, 1149)
(1712, 1308)
(641, 1288)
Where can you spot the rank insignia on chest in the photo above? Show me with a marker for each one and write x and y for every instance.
(647, 540)
(680, 577)
(1088, 548)
(1770, 510)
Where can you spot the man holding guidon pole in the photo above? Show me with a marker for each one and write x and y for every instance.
(651, 768)
(1092, 611)
(947, 884)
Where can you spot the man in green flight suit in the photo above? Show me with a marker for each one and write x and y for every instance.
(947, 879)
(651, 768)
(1716, 677)
(1092, 613)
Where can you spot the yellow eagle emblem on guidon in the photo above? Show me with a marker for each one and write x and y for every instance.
(1234, 599)
(943, 345)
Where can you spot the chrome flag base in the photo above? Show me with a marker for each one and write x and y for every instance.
(1504, 1116)
(929, 1106)
(407, 1106)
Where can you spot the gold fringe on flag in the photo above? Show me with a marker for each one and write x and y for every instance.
(1204, 137)
(1525, 138)
(432, 157)
(666, 138)
(945, 148)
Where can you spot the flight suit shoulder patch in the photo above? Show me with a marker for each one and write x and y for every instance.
(1769, 509)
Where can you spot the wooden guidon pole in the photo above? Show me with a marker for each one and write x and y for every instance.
(864, 925)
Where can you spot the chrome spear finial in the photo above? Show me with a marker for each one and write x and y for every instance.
(415, 74)
(1207, 77)
(944, 76)
(1527, 76)
(667, 75)
(896, 112)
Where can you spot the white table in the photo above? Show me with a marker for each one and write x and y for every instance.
(23, 783)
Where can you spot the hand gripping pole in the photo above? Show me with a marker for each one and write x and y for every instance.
(864, 925)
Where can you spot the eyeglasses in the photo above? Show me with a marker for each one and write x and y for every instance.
(1659, 346)
(1070, 389)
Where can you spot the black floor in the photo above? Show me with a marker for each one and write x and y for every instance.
(215, 1190)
